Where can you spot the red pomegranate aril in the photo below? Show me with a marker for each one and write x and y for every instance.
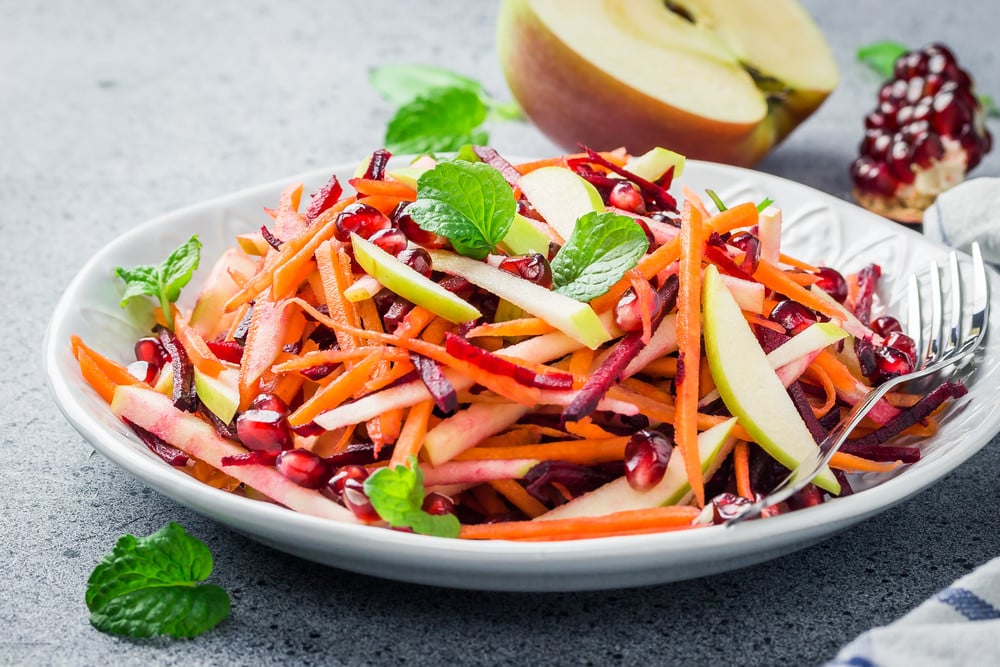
(413, 231)
(417, 259)
(303, 467)
(793, 316)
(533, 267)
(268, 401)
(151, 351)
(627, 197)
(391, 239)
(903, 343)
(360, 219)
(646, 456)
(726, 506)
(143, 370)
(356, 500)
(891, 363)
(833, 283)
(885, 325)
(628, 313)
(334, 487)
(264, 427)
(438, 504)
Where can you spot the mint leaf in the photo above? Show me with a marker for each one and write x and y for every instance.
(989, 106)
(881, 56)
(716, 199)
(401, 84)
(165, 281)
(441, 120)
(149, 586)
(397, 494)
(602, 247)
(468, 202)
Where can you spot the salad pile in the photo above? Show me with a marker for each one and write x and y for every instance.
(553, 350)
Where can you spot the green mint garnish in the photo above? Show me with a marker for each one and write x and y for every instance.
(468, 202)
(163, 282)
(439, 110)
(716, 200)
(989, 106)
(150, 586)
(881, 56)
(397, 494)
(602, 247)
(767, 201)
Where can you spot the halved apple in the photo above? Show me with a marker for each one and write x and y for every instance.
(712, 79)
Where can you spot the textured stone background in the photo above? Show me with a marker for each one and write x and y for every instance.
(114, 112)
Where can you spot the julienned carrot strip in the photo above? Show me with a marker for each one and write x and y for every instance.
(838, 373)
(689, 347)
(512, 438)
(334, 283)
(585, 535)
(775, 279)
(385, 203)
(384, 428)
(338, 391)
(411, 437)
(290, 275)
(797, 263)
(851, 463)
(518, 497)
(525, 326)
(706, 383)
(304, 245)
(369, 186)
(414, 322)
(580, 362)
(582, 452)
(194, 345)
(645, 296)
(398, 370)
(326, 357)
(500, 384)
(830, 392)
(741, 467)
(436, 330)
(114, 371)
(696, 201)
(656, 518)
(587, 429)
(617, 157)
(664, 367)
(754, 318)
(666, 413)
(804, 279)
(101, 373)
(636, 385)
(743, 215)
(489, 499)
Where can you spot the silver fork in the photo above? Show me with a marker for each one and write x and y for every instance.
(945, 347)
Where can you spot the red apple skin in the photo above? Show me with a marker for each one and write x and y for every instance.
(573, 102)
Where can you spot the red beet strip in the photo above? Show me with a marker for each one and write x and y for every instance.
(159, 446)
(651, 190)
(437, 384)
(183, 395)
(463, 349)
(227, 350)
(805, 411)
(376, 166)
(867, 282)
(715, 252)
(882, 452)
(495, 160)
(271, 239)
(250, 459)
(913, 415)
(326, 197)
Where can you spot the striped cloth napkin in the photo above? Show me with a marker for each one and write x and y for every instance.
(958, 626)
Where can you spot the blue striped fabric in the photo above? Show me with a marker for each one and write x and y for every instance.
(968, 604)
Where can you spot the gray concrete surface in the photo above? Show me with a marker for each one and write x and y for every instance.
(114, 112)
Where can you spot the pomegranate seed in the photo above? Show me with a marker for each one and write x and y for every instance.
(865, 352)
(646, 456)
(833, 283)
(143, 370)
(793, 316)
(892, 363)
(264, 426)
(727, 506)
(357, 501)
(303, 467)
(885, 325)
(151, 351)
(360, 219)
(417, 259)
(627, 197)
(438, 504)
(334, 487)
(390, 239)
(903, 343)
(533, 267)
(628, 314)
(413, 231)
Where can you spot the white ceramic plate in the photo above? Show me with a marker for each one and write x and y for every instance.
(819, 228)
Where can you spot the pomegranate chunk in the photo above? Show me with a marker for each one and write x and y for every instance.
(646, 456)
(264, 427)
(360, 219)
(303, 467)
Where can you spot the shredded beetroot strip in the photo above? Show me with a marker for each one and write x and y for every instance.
(250, 458)
(917, 413)
(271, 239)
(159, 446)
(183, 395)
(716, 253)
(805, 411)
(882, 452)
(651, 190)
(359, 453)
(463, 349)
(867, 282)
(327, 196)
(495, 160)
(376, 166)
(437, 384)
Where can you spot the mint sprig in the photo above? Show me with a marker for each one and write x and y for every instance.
(602, 247)
(439, 110)
(150, 586)
(470, 203)
(881, 56)
(397, 494)
(163, 282)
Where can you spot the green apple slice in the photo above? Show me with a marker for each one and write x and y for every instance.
(749, 386)
(654, 163)
(574, 318)
(411, 285)
(524, 237)
(673, 489)
(221, 395)
(560, 196)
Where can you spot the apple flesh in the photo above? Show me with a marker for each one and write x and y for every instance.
(654, 163)
(221, 394)
(749, 386)
(561, 197)
(711, 79)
